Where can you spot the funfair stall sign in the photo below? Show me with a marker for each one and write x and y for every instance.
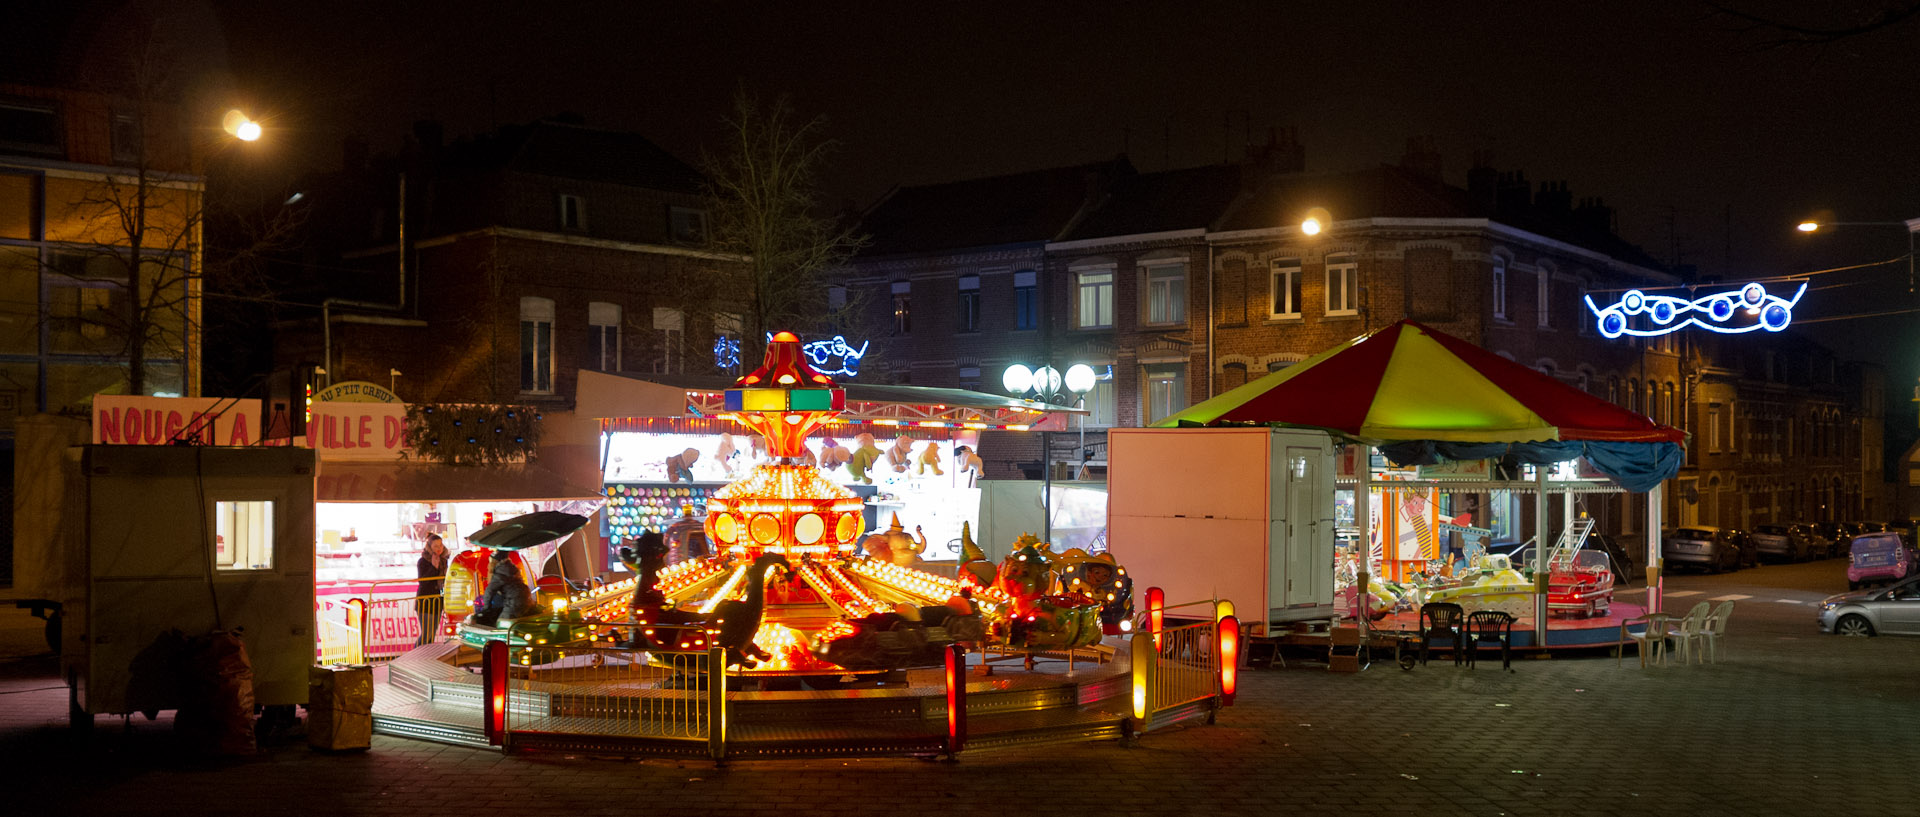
(1638, 314)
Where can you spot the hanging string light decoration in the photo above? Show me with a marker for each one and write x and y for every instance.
(472, 433)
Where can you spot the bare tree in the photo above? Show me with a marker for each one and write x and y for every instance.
(764, 206)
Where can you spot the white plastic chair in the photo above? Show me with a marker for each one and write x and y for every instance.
(1717, 627)
(1692, 632)
(1652, 640)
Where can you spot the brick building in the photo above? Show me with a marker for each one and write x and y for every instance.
(523, 257)
(1183, 284)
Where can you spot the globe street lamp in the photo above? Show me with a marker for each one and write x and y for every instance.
(1047, 385)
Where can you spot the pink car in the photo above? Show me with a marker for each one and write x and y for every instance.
(1879, 558)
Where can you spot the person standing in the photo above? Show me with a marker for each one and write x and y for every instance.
(432, 569)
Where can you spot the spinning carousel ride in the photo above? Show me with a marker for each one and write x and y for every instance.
(788, 590)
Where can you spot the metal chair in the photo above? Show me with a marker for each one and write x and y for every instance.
(1440, 619)
(1493, 626)
(1652, 638)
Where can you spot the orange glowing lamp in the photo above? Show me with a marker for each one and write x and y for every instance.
(1229, 629)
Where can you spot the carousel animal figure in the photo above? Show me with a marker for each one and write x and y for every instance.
(974, 567)
(862, 459)
(736, 620)
(894, 545)
(656, 623)
(966, 461)
(1038, 617)
(833, 454)
(507, 596)
(1102, 579)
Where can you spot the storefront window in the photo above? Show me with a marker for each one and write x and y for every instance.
(243, 535)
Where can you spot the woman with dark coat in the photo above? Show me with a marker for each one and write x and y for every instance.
(433, 572)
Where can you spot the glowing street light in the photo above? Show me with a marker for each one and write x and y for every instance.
(239, 126)
(1808, 226)
(1317, 220)
(1912, 226)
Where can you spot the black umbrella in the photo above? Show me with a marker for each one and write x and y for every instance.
(527, 530)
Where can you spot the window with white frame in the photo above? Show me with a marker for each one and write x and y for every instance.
(970, 378)
(1166, 390)
(969, 318)
(1343, 286)
(243, 535)
(536, 345)
(603, 336)
(1093, 290)
(1103, 406)
(669, 337)
(573, 212)
(1544, 284)
(1026, 300)
(902, 307)
(1286, 289)
(1500, 288)
(1167, 293)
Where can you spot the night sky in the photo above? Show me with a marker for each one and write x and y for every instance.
(1709, 143)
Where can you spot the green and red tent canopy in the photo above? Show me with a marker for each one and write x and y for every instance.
(1422, 394)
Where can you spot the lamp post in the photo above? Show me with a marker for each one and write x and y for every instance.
(1911, 225)
(1046, 384)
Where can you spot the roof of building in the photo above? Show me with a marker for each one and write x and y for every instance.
(1031, 207)
(1389, 191)
(566, 150)
(1186, 199)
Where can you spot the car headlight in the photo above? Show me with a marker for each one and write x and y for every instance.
(1828, 605)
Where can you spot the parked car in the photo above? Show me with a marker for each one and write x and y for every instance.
(1878, 558)
(1837, 536)
(1743, 544)
(1890, 610)
(1786, 543)
(1707, 548)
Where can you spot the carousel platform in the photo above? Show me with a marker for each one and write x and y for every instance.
(1563, 632)
(434, 693)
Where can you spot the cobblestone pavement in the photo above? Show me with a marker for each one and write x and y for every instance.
(1792, 723)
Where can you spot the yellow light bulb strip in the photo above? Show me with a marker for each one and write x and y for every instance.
(726, 590)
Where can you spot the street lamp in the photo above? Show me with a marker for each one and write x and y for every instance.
(1316, 221)
(1047, 385)
(240, 126)
(1911, 225)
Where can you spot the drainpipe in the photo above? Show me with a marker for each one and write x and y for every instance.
(1209, 317)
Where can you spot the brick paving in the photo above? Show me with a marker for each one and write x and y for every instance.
(1791, 724)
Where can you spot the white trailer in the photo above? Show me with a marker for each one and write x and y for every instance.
(1243, 514)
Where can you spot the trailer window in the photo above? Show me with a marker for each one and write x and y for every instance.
(243, 535)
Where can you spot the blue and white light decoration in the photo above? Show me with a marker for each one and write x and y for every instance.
(726, 352)
(834, 358)
(1752, 305)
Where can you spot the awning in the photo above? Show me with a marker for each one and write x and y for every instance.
(432, 482)
(621, 395)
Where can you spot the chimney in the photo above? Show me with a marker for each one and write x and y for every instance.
(1554, 200)
(1513, 192)
(1422, 158)
(1483, 182)
(1281, 154)
(1593, 216)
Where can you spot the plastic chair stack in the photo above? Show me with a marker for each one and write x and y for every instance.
(1692, 632)
(1715, 628)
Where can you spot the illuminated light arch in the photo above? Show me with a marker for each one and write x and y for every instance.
(1668, 314)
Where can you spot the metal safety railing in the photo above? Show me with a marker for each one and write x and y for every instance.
(395, 625)
(337, 633)
(1177, 667)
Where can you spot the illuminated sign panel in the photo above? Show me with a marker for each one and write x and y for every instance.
(1638, 314)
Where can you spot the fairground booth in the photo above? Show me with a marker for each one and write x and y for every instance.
(1449, 449)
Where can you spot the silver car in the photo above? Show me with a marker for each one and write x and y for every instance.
(1890, 610)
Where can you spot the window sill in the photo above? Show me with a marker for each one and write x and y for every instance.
(1290, 318)
(1107, 328)
(1352, 315)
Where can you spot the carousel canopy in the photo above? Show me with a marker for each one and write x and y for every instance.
(622, 394)
(1423, 395)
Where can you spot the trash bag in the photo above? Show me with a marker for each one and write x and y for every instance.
(216, 709)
